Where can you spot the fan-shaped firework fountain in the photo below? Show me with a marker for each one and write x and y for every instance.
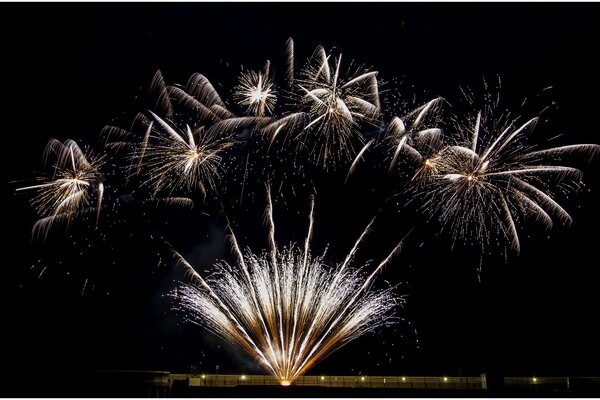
(286, 307)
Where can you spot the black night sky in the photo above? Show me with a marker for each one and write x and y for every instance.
(94, 299)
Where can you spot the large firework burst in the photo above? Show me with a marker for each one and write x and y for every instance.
(70, 191)
(490, 179)
(285, 307)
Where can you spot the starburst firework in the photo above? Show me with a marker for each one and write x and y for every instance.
(255, 92)
(285, 307)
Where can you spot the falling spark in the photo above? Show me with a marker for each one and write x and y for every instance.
(284, 306)
(84, 286)
(244, 178)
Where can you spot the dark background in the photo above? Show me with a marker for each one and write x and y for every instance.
(70, 69)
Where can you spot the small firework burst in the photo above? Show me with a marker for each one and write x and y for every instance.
(255, 92)
(75, 182)
(336, 107)
(285, 307)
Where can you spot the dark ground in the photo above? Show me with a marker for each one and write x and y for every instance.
(130, 386)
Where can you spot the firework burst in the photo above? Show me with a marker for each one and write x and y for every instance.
(485, 183)
(285, 307)
(185, 160)
(183, 150)
(70, 191)
(255, 92)
(336, 107)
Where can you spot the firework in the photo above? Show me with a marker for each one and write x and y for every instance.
(182, 151)
(70, 191)
(412, 137)
(185, 160)
(289, 55)
(336, 107)
(487, 182)
(284, 306)
(255, 92)
(201, 97)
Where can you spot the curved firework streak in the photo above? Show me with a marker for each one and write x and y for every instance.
(403, 140)
(410, 136)
(284, 306)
